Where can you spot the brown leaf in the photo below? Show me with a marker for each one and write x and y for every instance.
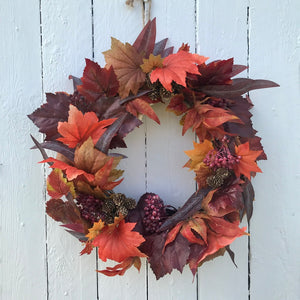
(126, 62)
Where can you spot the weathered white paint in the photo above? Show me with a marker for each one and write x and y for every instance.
(66, 41)
(73, 30)
(22, 231)
(275, 235)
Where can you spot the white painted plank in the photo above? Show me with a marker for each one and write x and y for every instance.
(275, 241)
(22, 251)
(116, 19)
(165, 146)
(67, 40)
(222, 32)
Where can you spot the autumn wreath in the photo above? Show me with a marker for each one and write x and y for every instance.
(106, 105)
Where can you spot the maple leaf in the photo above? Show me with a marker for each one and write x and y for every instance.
(175, 67)
(198, 154)
(206, 120)
(177, 105)
(126, 62)
(63, 211)
(215, 73)
(121, 268)
(58, 186)
(117, 241)
(174, 257)
(87, 249)
(151, 63)
(201, 175)
(80, 127)
(247, 162)
(97, 81)
(141, 106)
(95, 230)
(49, 114)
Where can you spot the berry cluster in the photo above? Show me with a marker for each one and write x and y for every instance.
(90, 207)
(221, 158)
(154, 212)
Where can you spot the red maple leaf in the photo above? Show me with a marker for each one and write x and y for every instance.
(175, 67)
(97, 81)
(117, 241)
(80, 127)
(247, 163)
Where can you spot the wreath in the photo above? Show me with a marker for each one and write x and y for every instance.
(106, 105)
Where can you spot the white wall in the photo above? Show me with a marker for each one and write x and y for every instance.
(43, 42)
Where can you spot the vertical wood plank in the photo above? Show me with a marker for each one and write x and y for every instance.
(116, 19)
(22, 232)
(66, 41)
(275, 235)
(165, 146)
(222, 32)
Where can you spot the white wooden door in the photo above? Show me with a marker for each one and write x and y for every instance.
(44, 41)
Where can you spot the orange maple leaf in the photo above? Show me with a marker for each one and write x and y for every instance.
(175, 67)
(121, 268)
(117, 241)
(81, 126)
(126, 62)
(247, 163)
(198, 154)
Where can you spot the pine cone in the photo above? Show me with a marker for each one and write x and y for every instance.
(109, 206)
(129, 203)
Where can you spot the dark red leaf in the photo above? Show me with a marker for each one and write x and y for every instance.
(238, 87)
(49, 114)
(97, 81)
(145, 41)
(248, 198)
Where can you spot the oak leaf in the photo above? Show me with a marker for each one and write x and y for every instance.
(175, 68)
(247, 163)
(97, 81)
(80, 127)
(126, 62)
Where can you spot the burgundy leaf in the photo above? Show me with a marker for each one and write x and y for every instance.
(58, 147)
(248, 198)
(145, 41)
(238, 87)
(49, 114)
(175, 255)
(42, 150)
(231, 254)
(76, 81)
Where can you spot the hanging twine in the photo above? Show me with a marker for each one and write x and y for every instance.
(146, 9)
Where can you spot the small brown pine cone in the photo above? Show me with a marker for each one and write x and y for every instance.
(214, 181)
(122, 210)
(129, 203)
(118, 199)
(108, 206)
